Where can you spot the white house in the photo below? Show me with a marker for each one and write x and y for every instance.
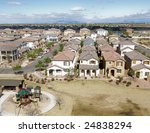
(94, 36)
(139, 63)
(62, 64)
(125, 46)
(89, 65)
(52, 38)
(102, 32)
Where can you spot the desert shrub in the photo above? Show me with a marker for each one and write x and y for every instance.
(85, 78)
(137, 86)
(110, 80)
(128, 84)
(131, 73)
(42, 81)
(52, 79)
(117, 82)
(124, 82)
(120, 79)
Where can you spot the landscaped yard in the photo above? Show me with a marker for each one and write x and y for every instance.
(94, 97)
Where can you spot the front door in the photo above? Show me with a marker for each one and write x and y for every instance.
(113, 73)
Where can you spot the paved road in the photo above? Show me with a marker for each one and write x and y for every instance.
(31, 66)
(142, 49)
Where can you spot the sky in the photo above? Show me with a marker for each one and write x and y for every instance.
(74, 11)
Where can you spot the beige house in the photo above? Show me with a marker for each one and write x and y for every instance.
(139, 63)
(85, 32)
(69, 32)
(113, 64)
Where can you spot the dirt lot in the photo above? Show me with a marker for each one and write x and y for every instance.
(98, 98)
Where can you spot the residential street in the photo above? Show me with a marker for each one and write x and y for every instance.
(31, 66)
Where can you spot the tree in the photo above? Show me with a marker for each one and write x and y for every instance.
(81, 44)
(49, 45)
(55, 52)
(61, 47)
(17, 67)
(47, 60)
(131, 73)
(31, 54)
(39, 64)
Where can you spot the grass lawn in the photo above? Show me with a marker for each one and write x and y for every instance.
(94, 97)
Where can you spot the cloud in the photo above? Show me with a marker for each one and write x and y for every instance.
(77, 9)
(14, 3)
(72, 17)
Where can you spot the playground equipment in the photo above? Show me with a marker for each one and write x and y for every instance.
(26, 96)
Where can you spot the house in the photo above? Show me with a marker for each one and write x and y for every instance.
(115, 44)
(30, 42)
(88, 48)
(113, 64)
(62, 64)
(76, 36)
(101, 41)
(102, 32)
(94, 36)
(125, 46)
(85, 32)
(105, 48)
(75, 41)
(88, 41)
(69, 32)
(71, 47)
(8, 52)
(52, 38)
(139, 63)
(89, 64)
(52, 31)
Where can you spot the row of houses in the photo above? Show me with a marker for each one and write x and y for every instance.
(103, 60)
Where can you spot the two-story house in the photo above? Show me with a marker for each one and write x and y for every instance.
(125, 46)
(85, 32)
(139, 63)
(62, 64)
(69, 32)
(52, 31)
(89, 64)
(8, 52)
(102, 32)
(113, 64)
(52, 38)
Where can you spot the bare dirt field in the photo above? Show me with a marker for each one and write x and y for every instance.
(98, 98)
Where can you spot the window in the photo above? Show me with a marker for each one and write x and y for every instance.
(66, 63)
(118, 70)
(92, 62)
(146, 62)
(146, 73)
(134, 62)
(119, 63)
(81, 61)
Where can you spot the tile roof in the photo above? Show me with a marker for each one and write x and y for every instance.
(139, 66)
(88, 48)
(106, 48)
(72, 46)
(6, 82)
(8, 46)
(112, 56)
(126, 42)
(87, 55)
(133, 55)
(88, 41)
(64, 56)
